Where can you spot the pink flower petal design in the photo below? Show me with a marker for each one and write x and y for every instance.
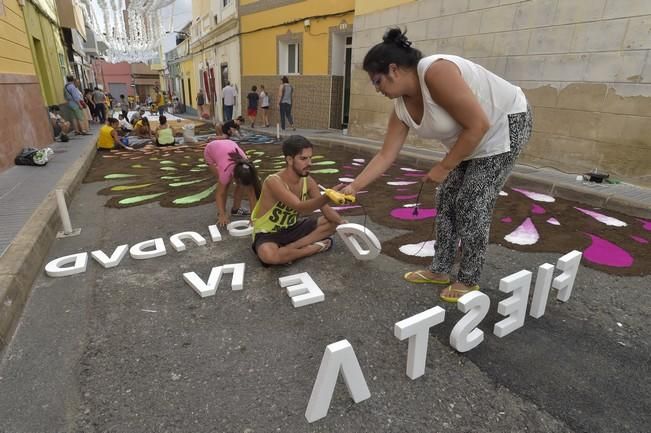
(639, 239)
(538, 210)
(407, 214)
(605, 219)
(525, 234)
(349, 167)
(414, 174)
(405, 197)
(553, 221)
(535, 196)
(507, 220)
(603, 252)
(645, 224)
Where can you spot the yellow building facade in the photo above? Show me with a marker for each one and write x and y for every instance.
(24, 119)
(310, 42)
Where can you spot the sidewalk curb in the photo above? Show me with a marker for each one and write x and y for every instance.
(23, 260)
(422, 158)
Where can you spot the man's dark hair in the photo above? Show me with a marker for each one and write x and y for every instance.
(245, 172)
(162, 119)
(254, 88)
(394, 48)
(227, 126)
(54, 108)
(112, 120)
(295, 144)
(70, 78)
(284, 79)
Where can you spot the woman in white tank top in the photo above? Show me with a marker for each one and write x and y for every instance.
(481, 119)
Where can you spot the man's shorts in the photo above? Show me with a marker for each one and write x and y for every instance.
(252, 112)
(76, 111)
(284, 237)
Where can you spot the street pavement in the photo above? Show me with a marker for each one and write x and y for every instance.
(135, 349)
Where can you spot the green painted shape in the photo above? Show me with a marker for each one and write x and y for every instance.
(187, 157)
(139, 198)
(258, 153)
(188, 182)
(202, 165)
(129, 187)
(324, 163)
(196, 197)
(166, 162)
(174, 177)
(169, 168)
(119, 176)
(185, 164)
(201, 160)
(317, 157)
(154, 159)
(257, 161)
(138, 166)
(198, 169)
(325, 171)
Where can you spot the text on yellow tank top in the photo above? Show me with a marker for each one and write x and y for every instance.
(279, 216)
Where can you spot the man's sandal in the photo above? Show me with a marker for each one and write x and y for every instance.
(460, 292)
(422, 279)
(323, 245)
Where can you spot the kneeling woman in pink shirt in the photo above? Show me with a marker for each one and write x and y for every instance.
(228, 162)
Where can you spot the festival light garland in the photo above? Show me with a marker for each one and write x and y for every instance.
(131, 29)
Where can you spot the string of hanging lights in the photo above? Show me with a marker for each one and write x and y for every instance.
(131, 29)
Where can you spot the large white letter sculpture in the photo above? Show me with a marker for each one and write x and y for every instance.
(564, 283)
(337, 356)
(464, 335)
(209, 289)
(541, 290)
(114, 260)
(417, 329)
(302, 289)
(138, 250)
(239, 228)
(177, 240)
(515, 306)
(58, 268)
(351, 234)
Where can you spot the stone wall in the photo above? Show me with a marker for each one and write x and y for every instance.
(314, 95)
(24, 118)
(584, 65)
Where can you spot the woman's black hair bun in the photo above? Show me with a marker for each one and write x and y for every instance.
(395, 36)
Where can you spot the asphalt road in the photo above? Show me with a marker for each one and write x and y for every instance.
(134, 349)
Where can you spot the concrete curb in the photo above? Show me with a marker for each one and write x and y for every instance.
(423, 158)
(23, 260)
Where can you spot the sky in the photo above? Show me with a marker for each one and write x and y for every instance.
(177, 15)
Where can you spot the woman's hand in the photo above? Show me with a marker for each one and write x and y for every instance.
(436, 175)
(223, 220)
(347, 189)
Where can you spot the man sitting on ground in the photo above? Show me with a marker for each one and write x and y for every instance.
(279, 236)
(60, 126)
(125, 126)
(108, 138)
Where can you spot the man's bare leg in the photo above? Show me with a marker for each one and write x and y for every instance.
(324, 228)
(272, 254)
(237, 197)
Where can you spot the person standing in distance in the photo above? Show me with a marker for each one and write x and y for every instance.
(482, 120)
(229, 98)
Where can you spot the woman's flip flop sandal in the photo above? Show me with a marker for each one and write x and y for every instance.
(460, 292)
(422, 279)
(323, 245)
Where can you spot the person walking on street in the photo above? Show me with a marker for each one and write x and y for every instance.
(99, 99)
(285, 97)
(484, 122)
(76, 104)
(229, 98)
(88, 99)
(252, 109)
(201, 103)
(124, 106)
(264, 98)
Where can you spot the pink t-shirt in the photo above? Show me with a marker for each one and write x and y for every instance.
(216, 154)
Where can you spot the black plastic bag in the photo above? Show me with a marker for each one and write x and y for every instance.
(32, 156)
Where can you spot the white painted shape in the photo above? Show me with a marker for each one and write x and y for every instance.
(302, 289)
(564, 283)
(60, 267)
(177, 240)
(114, 260)
(209, 288)
(215, 235)
(139, 252)
(541, 290)
(515, 306)
(338, 356)
(416, 328)
(239, 228)
(421, 249)
(503, 193)
(464, 335)
(352, 234)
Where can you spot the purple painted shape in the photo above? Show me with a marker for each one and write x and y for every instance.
(405, 197)
(350, 167)
(407, 213)
(525, 234)
(645, 224)
(507, 220)
(639, 239)
(402, 189)
(538, 210)
(603, 252)
(413, 174)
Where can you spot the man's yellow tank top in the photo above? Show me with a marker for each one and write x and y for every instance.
(165, 136)
(105, 139)
(279, 217)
